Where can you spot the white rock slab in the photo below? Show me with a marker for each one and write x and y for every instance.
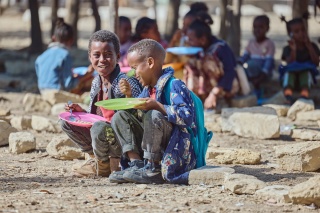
(21, 142)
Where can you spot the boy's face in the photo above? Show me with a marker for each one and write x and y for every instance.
(143, 67)
(103, 57)
(124, 32)
(260, 29)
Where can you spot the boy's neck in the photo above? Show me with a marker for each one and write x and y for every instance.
(260, 40)
(156, 76)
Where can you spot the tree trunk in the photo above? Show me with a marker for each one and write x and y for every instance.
(155, 9)
(72, 7)
(54, 14)
(96, 15)
(234, 31)
(299, 9)
(113, 16)
(36, 36)
(172, 18)
(223, 19)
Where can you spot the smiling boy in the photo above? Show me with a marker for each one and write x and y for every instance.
(161, 136)
(99, 140)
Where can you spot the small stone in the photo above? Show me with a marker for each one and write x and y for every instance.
(301, 105)
(308, 116)
(142, 186)
(276, 193)
(54, 97)
(61, 147)
(40, 124)
(243, 184)
(21, 122)
(307, 192)
(34, 103)
(5, 131)
(281, 110)
(21, 142)
(244, 101)
(306, 134)
(234, 156)
(4, 112)
(299, 157)
(209, 175)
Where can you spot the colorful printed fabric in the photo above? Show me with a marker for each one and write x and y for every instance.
(115, 92)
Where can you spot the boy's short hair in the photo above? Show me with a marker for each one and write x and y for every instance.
(105, 36)
(149, 48)
(263, 18)
(124, 19)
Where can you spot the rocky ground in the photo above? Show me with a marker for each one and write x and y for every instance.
(238, 172)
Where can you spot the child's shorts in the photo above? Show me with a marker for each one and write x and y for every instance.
(297, 80)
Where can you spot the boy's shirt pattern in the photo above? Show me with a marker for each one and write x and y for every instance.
(179, 157)
(115, 92)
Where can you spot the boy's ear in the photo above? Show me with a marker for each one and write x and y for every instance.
(118, 57)
(150, 62)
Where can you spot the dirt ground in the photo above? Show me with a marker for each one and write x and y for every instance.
(35, 182)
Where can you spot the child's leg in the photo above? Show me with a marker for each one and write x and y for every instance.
(129, 132)
(289, 83)
(304, 83)
(105, 146)
(79, 135)
(157, 133)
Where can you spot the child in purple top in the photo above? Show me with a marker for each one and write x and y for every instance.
(259, 53)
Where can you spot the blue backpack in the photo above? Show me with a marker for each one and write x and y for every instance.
(201, 139)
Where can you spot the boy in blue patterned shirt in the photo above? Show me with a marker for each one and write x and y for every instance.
(160, 137)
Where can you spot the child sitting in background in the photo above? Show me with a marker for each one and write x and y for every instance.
(259, 53)
(148, 28)
(302, 58)
(197, 10)
(213, 75)
(161, 136)
(124, 34)
(54, 66)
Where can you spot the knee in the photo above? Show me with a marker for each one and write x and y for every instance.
(153, 116)
(118, 118)
(65, 126)
(98, 127)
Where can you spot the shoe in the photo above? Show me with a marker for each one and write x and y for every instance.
(150, 173)
(289, 99)
(77, 166)
(117, 177)
(92, 168)
(114, 164)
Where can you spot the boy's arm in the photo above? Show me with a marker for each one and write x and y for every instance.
(246, 55)
(181, 110)
(314, 52)
(66, 77)
(269, 61)
(226, 56)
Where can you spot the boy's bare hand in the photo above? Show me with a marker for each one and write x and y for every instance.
(74, 108)
(151, 104)
(292, 45)
(210, 102)
(125, 88)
